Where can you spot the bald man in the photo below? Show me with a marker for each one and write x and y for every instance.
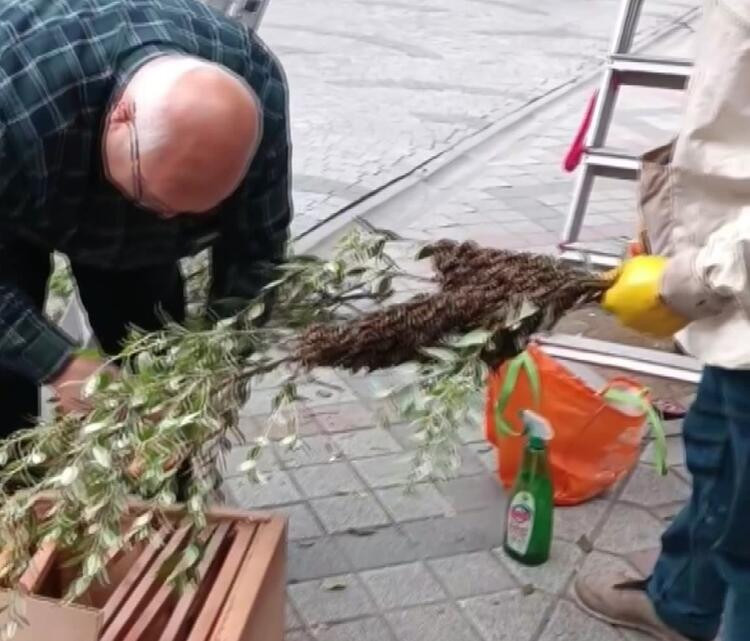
(132, 133)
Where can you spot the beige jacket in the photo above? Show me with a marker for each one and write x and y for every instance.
(696, 208)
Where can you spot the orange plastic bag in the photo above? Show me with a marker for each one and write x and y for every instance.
(597, 434)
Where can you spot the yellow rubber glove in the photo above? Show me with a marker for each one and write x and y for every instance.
(635, 297)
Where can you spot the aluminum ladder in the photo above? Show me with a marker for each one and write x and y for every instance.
(623, 69)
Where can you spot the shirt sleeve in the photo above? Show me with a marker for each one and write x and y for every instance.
(30, 345)
(255, 230)
(710, 173)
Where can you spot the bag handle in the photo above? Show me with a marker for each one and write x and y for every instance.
(626, 381)
(522, 361)
(642, 404)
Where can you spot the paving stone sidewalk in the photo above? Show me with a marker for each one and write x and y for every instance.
(367, 561)
(380, 86)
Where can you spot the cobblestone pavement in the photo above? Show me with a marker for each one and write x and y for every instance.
(368, 561)
(380, 86)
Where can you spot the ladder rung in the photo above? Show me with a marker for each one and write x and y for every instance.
(664, 73)
(573, 253)
(612, 163)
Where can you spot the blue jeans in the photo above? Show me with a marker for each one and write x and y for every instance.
(704, 568)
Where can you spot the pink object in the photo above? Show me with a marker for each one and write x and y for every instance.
(575, 152)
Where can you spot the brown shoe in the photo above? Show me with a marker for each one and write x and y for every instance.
(622, 601)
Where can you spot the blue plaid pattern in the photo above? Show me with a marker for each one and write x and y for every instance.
(61, 64)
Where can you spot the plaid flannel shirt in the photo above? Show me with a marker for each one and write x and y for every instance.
(61, 64)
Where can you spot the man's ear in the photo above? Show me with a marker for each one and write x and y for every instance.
(123, 112)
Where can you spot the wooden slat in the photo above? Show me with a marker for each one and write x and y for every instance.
(223, 584)
(144, 589)
(215, 512)
(192, 599)
(255, 608)
(122, 591)
(39, 568)
(147, 617)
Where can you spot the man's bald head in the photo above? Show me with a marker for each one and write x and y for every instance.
(181, 136)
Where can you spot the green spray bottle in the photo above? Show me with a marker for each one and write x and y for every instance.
(528, 526)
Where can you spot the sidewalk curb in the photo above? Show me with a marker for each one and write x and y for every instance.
(391, 201)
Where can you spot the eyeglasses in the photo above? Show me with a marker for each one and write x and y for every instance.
(139, 194)
(135, 164)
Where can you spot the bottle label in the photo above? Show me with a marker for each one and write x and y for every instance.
(520, 522)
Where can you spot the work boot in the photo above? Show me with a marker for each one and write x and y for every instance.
(622, 601)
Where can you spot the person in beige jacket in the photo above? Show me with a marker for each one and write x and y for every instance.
(697, 283)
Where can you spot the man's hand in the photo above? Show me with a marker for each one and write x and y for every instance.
(635, 297)
(69, 384)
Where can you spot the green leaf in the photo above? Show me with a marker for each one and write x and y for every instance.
(93, 428)
(102, 457)
(93, 565)
(441, 354)
(143, 520)
(472, 339)
(256, 310)
(68, 476)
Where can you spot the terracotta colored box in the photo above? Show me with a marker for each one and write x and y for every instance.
(239, 595)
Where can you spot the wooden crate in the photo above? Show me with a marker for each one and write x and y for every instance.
(239, 595)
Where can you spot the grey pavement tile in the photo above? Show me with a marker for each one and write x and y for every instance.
(474, 492)
(302, 523)
(298, 635)
(472, 433)
(328, 479)
(507, 616)
(313, 450)
(487, 456)
(668, 512)
(629, 529)
(340, 513)
(554, 224)
(315, 558)
(541, 239)
(344, 417)
(682, 472)
(420, 501)
(403, 433)
(367, 629)
(675, 452)
(571, 523)
(277, 490)
(329, 600)
(597, 219)
(365, 443)
(468, 532)
(292, 620)
(375, 548)
(402, 586)
(472, 574)
(430, 623)
(523, 227)
(385, 471)
(673, 428)
(570, 623)
(648, 488)
(552, 576)
(505, 216)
